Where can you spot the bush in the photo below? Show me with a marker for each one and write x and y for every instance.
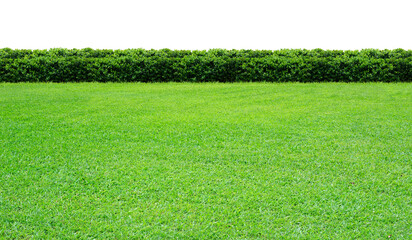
(215, 65)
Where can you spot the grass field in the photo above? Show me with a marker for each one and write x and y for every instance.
(206, 161)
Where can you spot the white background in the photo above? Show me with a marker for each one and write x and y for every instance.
(200, 24)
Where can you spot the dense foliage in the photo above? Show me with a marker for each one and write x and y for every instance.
(216, 65)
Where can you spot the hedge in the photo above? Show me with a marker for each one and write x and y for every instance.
(215, 65)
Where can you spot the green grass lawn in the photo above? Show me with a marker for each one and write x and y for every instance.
(206, 161)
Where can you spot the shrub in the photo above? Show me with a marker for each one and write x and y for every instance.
(215, 65)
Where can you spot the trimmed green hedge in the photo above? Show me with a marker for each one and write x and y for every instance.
(216, 65)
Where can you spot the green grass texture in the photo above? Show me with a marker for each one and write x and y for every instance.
(205, 161)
